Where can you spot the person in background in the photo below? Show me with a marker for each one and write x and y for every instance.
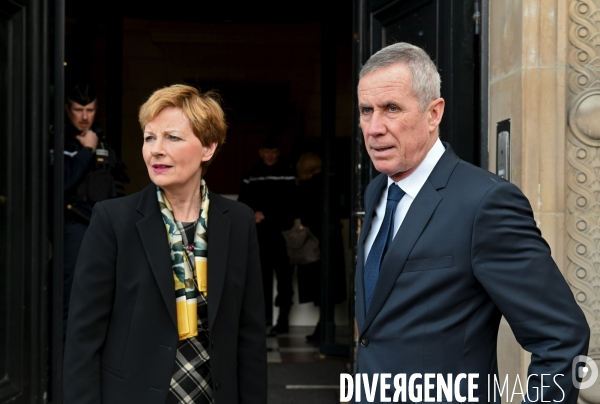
(167, 303)
(269, 189)
(310, 213)
(93, 173)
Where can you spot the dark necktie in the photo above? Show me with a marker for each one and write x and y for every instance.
(381, 243)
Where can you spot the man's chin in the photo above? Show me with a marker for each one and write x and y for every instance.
(385, 168)
(393, 172)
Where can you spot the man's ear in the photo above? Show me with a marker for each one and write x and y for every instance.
(435, 111)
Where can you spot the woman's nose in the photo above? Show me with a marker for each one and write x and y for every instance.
(157, 148)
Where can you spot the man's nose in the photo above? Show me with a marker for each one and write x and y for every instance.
(376, 125)
(85, 115)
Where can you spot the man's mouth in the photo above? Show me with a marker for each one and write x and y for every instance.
(380, 149)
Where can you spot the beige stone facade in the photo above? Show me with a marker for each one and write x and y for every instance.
(544, 76)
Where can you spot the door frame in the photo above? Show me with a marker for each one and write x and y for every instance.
(25, 257)
(368, 15)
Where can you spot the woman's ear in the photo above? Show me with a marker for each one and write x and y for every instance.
(209, 151)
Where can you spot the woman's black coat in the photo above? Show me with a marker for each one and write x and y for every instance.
(122, 334)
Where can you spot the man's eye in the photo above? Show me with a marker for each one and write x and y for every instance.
(367, 110)
(393, 108)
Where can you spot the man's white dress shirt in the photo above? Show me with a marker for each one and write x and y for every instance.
(411, 185)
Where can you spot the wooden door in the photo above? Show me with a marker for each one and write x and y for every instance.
(23, 229)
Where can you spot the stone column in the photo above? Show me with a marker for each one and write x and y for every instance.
(529, 48)
(545, 77)
(583, 169)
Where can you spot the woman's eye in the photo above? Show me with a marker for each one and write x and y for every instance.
(147, 138)
(174, 138)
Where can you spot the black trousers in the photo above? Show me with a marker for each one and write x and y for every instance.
(74, 231)
(274, 258)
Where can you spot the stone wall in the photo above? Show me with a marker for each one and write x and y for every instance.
(543, 67)
(583, 168)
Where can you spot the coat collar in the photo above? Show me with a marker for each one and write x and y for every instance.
(374, 191)
(413, 225)
(443, 169)
(152, 232)
(438, 178)
(219, 229)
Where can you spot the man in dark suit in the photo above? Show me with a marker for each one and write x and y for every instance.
(447, 249)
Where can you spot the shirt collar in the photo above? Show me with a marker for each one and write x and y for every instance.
(414, 182)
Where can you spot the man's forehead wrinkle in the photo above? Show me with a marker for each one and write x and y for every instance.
(380, 88)
(386, 79)
(380, 104)
(367, 99)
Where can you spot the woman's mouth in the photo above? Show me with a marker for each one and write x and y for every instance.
(160, 168)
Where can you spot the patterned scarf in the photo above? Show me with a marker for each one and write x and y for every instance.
(186, 262)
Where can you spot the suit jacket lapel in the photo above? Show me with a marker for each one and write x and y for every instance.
(219, 226)
(409, 232)
(156, 245)
(371, 198)
(393, 263)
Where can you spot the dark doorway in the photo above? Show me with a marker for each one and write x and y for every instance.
(283, 68)
(252, 114)
(447, 31)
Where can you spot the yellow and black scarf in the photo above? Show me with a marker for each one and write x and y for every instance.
(189, 267)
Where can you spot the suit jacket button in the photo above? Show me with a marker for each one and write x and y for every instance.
(212, 344)
(217, 385)
(364, 342)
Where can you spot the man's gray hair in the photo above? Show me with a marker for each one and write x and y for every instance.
(425, 77)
